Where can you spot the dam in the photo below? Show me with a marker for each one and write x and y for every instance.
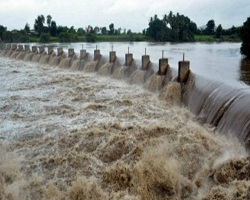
(92, 125)
(215, 104)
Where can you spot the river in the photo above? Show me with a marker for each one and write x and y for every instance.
(68, 134)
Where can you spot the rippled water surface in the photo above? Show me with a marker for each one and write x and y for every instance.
(215, 61)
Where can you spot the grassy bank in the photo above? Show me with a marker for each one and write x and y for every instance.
(137, 37)
(212, 38)
(99, 38)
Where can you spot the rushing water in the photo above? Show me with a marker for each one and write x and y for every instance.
(77, 135)
(214, 61)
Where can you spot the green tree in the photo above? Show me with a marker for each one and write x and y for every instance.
(96, 29)
(66, 37)
(210, 27)
(193, 27)
(118, 31)
(44, 38)
(244, 34)
(104, 30)
(27, 28)
(72, 29)
(233, 30)
(171, 28)
(38, 26)
(53, 29)
(129, 32)
(182, 28)
(62, 29)
(157, 29)
(2, 31)
(81, 31)
(49, 20)
(7, 36)
(23, 38)
(91, 37)
(218, 31)
(111, 29)
(165, 19)
(130, 35)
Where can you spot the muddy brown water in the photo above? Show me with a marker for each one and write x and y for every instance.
(77, 135)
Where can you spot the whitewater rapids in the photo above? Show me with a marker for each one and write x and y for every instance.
(76, 135)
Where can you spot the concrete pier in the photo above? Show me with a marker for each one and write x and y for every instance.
(83, 54)
(112, 56)
(97, 54)
(41, 50)
(163, 66)
(8, 47)
(34, 49)
(27, 48)
(128, 59)
(129, 62)
(20, 47)
(60, 51)
(183, 71)
(71, 53)
(50, 50)
(13, 47)
(145, 62)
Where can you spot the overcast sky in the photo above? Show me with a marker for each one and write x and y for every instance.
(127, 14)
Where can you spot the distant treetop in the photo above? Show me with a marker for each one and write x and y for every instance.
(174, 28)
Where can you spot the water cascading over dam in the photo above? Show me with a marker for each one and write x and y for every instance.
(214, 103)
(68, 134)
(219, 105)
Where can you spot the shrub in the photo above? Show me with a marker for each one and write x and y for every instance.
(44, 38)
(65, 37)
(91, 37)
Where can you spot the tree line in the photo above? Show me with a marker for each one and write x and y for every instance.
(179, 28)
(45, 28)
(172, 27)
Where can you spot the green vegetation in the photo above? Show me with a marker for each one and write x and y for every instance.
(204, 38)
(245, 36)
(171, 28)
(44, 38)
(210, 27)
(212, 38)
(67, 37)
(122, 38)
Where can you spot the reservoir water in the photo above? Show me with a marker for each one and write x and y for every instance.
(214, 61)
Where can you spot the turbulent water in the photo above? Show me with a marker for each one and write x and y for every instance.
(77, 135)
